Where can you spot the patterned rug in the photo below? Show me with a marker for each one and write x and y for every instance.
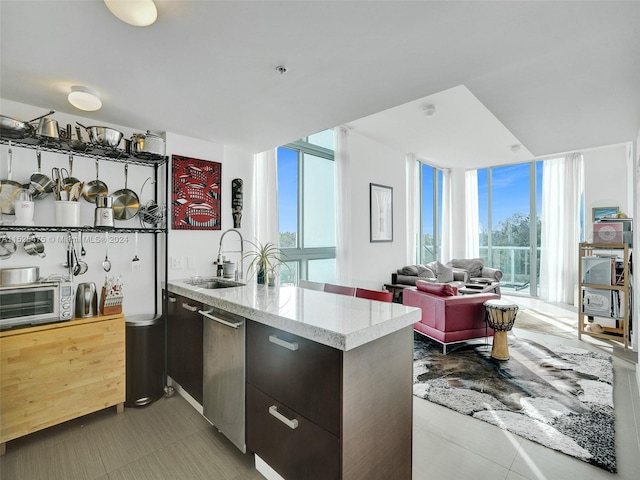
(560, 397)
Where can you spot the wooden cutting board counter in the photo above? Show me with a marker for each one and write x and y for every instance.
(56, 372)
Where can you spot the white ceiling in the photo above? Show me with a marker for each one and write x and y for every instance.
(554, 76)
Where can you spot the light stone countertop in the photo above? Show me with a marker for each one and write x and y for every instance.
(339, 321)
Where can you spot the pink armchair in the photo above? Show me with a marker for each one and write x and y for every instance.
(447, 317)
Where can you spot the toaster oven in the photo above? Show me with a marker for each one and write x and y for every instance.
(35, 303)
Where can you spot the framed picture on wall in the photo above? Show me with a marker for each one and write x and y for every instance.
(195, 194)
(604, 212)
(380, 213)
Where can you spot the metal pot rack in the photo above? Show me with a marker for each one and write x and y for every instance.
(86, 150)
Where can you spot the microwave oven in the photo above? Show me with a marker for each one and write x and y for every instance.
(35, 303)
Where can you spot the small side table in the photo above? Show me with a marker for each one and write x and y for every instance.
(396, 290)
(500, 315)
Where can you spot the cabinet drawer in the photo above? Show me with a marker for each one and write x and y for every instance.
(306, 451)
(302, 374)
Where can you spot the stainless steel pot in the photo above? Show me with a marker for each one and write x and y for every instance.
(40, 185)
(48, 129)
(148, 144)
(105, 136)
(19, 275)
(34, 246)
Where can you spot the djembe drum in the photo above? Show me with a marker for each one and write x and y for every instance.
(500, 316)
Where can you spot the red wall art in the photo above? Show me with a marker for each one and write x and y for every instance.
(196, 194)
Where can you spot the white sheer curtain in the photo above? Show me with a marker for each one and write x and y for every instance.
(472, 215)
(447, 247)
(265, 198)
(562, 190)
(343, 205)
(411, 167)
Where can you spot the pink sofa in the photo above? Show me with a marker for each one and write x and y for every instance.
(446, 317)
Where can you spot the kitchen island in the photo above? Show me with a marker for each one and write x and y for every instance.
(328, 380)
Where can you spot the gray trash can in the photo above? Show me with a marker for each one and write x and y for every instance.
(145, 359)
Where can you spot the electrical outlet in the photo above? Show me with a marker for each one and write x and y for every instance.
(179, 263)
(174, 263)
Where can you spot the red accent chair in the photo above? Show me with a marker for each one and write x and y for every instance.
(447, 317)
(331, 288)
(374, 295)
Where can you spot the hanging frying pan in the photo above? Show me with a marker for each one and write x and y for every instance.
(12, 128)
(8, 189)
(125, 202)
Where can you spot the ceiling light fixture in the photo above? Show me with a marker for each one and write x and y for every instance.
(84, 98)
(515, 148)
(281, 69)
(139, 13)
(429, 110)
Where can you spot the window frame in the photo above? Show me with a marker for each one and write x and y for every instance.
(300, 254)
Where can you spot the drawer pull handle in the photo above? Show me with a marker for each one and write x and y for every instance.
(189, 307)
(173, 299)
(219, 320)
(293, 346)
(292, 424)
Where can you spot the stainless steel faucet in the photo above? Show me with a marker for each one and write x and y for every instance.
(238, 276)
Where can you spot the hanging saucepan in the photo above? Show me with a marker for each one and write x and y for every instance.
(147, 145)
(94, 188)
(104, 136)
(69, 181)
(40, 185)
(8, 189)
(34, 246)
(12, 128)
(125, 202)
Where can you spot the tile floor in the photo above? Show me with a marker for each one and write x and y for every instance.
(170, 440)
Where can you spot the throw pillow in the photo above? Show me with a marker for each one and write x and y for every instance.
(472, 265)
(408, 270)
(427, 271)
(439, 289)
(444, 274)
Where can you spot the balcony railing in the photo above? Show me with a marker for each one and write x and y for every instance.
(515, 263)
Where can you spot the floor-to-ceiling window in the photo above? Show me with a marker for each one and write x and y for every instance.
(306, 208)
(509, 197)
(430, 213)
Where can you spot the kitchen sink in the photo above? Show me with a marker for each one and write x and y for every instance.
(212, 283)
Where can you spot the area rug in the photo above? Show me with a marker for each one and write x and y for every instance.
(565, 326)
(557, 396)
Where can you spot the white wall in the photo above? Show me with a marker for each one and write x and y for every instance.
(606, 182)
(200, 246)
(371, 162)
(196, 250)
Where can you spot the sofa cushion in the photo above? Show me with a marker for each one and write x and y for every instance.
(473, 265)
(439, 289)
(426, 271)
(444, 274)
(408, 270)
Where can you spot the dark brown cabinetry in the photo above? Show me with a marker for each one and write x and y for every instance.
(315, 412)
(184, 343)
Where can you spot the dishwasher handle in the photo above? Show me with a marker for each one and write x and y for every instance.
(219, 320)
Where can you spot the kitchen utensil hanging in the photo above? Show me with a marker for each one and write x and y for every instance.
(40, 185)
(7, 246)
(150, 213)
(106, 264)
(95, 187)
(8, 188)
(125, 201)
(70, 181)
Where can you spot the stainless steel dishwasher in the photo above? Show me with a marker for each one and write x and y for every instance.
(224, 373)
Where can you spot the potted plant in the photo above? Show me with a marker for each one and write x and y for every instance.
(264, 259)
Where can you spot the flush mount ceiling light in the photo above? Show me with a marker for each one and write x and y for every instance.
(139, 13)
(515, 148)
(429, 110)
(84, 98)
